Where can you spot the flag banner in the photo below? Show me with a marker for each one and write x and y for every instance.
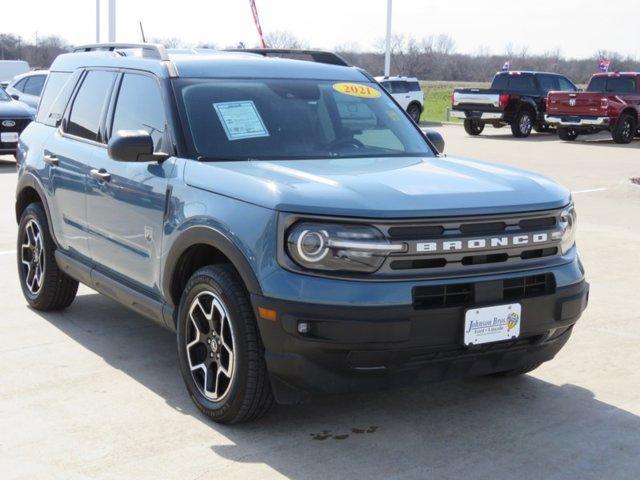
(603, 64)
(507, 66)
(256, 19)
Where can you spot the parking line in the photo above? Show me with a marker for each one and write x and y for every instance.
(8, 252)
(590, 190)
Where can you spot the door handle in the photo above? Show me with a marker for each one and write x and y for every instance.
(51, 160)
(101, 175)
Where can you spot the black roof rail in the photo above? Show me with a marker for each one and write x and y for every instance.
(317, 56)
(149, 50)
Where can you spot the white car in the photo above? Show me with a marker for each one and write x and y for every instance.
(28, 87)
(407, 92)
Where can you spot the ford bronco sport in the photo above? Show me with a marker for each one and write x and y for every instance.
(291, 223)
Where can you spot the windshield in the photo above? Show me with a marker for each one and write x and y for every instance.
(286, 119)
(3, 96)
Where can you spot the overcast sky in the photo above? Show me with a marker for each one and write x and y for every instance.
(577, 27)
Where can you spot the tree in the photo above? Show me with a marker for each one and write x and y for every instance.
(284, 39)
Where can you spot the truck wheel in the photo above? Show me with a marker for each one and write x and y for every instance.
(625, 129)
(517, 371)
(44, 285)
(219, 348)
(473, 127)
(522, 124)
(415, 112)
(567, 134)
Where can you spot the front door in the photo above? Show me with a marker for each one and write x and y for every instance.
(126, 200)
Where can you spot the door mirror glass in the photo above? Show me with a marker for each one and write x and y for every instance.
(133, 146)
(436, 139)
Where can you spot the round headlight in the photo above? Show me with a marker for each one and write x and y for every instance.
(337, 247)
(568, 221)
(312, 245)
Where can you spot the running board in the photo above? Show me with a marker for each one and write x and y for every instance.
(151, 308)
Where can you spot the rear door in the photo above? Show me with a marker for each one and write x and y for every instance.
(69, 153)
(400, 91)
(126, 200)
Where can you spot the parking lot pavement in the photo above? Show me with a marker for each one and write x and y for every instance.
(94, 392)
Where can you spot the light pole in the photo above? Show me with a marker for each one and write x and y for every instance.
(387, 52)
(97, 21)
(112, 20)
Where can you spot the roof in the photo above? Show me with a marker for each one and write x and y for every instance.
(29, 74)
(616, 74)
(189, 63)
(531, 72)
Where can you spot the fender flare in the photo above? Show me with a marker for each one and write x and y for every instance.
(28, 180)
(529, 103)
(205, 235)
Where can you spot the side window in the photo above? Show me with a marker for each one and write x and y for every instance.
(597, 84)
(89, 103)
(547, 83)
(20, 85)
(387, 86)
(565, 85)
(400, 87)
(34, 85)
(521, 83)
(622, 85)
(140, 107)
(55, 97)
(414, 86)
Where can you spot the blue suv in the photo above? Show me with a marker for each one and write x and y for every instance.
(291, 223)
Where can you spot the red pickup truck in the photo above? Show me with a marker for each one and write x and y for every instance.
(611, 102)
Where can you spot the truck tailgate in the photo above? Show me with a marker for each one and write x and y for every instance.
(575, 103)
(473, 97)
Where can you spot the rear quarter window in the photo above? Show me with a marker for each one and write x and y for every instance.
(55, 97)
(414, 87)
(597, 84)
(521, 83)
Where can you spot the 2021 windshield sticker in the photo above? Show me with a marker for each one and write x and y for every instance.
(356, 90)
(241, 120)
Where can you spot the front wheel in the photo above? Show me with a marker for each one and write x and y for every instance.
(44, 285)
(625, 129)
(522, 124)
(219, 349)
(567, 134)
(473, 127)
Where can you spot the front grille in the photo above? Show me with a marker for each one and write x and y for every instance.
(440, 296)
(454, 246)
(463, 294)
(527, 287)
(20, 125)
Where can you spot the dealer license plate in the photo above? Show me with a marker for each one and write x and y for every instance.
(492, 324)
(9, 137)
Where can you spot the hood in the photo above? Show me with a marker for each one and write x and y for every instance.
(380, 187)
(15, 109)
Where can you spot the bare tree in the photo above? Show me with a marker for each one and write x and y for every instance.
(284, 39)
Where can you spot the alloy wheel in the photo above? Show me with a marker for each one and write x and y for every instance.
(210, 346)
(32, 257)
(525, 124)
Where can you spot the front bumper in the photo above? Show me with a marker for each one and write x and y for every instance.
(577, 121)
(477, 115)
(364, 348)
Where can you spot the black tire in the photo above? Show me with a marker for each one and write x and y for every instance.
(522, 124)
(625, 129)
(54, 290)
(517, 371)
(415, 111)
(567, 134)
(473, 127)
(243, 393)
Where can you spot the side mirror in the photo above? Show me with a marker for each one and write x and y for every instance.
(15, 97)
(436, 139)
(133, 146)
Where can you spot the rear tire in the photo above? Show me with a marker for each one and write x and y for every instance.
(625, 129)
(567, 134)
(415, 112)
(220, 353)
(44, 285)
(473, 127)
(516, 371)
(522, 124)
